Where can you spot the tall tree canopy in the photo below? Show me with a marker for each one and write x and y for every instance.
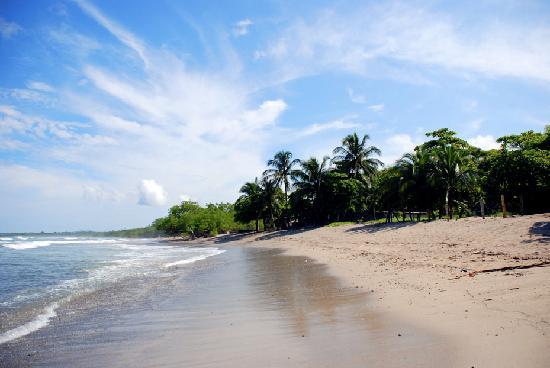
(281, 169)
(355, 158)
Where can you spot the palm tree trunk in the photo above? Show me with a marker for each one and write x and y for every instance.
(482, 207)
(503, 205)
(447, 203)
(257, 225)
(521, 207)
(450, 204)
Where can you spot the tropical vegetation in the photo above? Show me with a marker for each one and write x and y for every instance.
(444, 177)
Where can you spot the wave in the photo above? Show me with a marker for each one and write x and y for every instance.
(194, 259)
(40, 321)
(45, 243)
(6, 239)
(27, 245)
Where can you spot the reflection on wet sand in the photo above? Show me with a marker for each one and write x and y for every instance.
(245, 308)
(300, 289)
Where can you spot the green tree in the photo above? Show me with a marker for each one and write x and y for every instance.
(249, 206)
(282, 169)
(451, 168)
(355, 159)
(415, 184)
(272, 202)
(520, 170)
(308, 181)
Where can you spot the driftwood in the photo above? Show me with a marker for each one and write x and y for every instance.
(521, 267)
(505, 268)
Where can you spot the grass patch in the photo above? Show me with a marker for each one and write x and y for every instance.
(340, 223)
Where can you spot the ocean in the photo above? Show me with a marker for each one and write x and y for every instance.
(41, 274)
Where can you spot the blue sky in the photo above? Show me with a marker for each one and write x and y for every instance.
(111, 111)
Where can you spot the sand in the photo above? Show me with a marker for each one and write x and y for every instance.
(482, 285)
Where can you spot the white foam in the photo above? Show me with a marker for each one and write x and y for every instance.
(6, 239)
(194, 259)
(45, 243)
(27, 245)
(40, 321)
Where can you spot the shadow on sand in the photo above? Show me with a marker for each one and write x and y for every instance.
(539, 232)
(374, 228)
(266, 235)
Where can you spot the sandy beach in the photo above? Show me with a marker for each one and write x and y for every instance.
(482, 285)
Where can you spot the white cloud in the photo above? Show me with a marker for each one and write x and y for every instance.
(7, 144)
(151, 193)
(69, 39)
(331, 125)
(377, 107)
(40, 86)
(371, 39)
(99, 193)
(119, 32)
(26, 94)
(8, 29)
(241, 27)
(15, 122)
(266, 114)
(184, 198)
(485, 142)
(356, 98)
(396, 146)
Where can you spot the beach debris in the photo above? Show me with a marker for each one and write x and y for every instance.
(399, 334)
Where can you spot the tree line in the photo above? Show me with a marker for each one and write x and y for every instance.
(444, 177)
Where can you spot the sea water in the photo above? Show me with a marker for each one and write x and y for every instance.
(40, 274)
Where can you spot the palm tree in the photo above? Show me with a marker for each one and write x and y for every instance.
(355, 158)
(282, 164)
(451, 169)
(415, 171)
(311, 174)
(249, 206)
(270, 201)
(309, 178)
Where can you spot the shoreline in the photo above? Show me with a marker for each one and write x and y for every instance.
(482, 284)
(222, 313)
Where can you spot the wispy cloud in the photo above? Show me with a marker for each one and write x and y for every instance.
(9, 29)
(40, 86)
(356, 98)
(475, 124)
(241, 27)
(376, 108)
(161, 120)
(119, 32)
(361, 42)
(331, 125)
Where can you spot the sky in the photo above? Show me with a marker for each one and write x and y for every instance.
(113, 111)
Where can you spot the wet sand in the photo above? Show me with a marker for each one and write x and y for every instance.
(248, 307)
(481, 285)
